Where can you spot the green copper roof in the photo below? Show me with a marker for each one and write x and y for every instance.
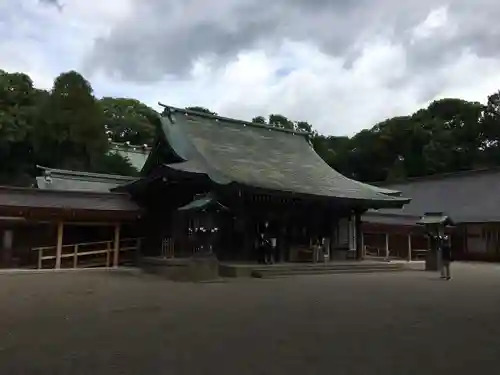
(202, 202)
(435, 218)
(136, 155)
(232, 151)
(62, 179)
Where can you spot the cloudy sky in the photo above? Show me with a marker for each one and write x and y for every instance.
(341, 65)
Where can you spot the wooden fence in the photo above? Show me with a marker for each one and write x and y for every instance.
(86, 254)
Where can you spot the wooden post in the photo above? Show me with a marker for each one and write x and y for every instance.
(7, 240)
(75, 256)
(108, 252)
(409, 247)
(116, 248)
(358, 236)
(40, 255)
(363, 249)
(60, 231)
(387, 246)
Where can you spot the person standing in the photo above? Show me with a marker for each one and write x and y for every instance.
(446, 258)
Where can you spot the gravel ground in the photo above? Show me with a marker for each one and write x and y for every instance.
(116, 323)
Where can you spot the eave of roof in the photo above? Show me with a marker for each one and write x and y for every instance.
(77, 174)
(381, 217)
(30, 198)
(203, 202)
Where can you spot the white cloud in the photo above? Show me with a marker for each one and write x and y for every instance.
(436, 21)
(296, 79)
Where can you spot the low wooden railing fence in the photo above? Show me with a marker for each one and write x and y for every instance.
(373, 251)
(78, 252)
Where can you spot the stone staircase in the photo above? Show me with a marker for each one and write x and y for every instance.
(275, 271)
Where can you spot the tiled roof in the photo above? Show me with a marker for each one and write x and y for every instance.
(470, 196)
(61, 179)
(136, 155)
(29, 198)
(233, 151)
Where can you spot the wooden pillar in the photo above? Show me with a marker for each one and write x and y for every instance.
(75, 256)
(363, 251)
(116, 247)
(409, 247)
(359, 235)
(387, 245)
(60, 231)
(7, 240)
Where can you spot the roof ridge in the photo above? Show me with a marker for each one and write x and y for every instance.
(133, 147)
(84, 174)
(232, 120)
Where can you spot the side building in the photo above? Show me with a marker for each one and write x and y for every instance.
(468, 197)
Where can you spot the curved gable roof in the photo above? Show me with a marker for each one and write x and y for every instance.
(232, 151)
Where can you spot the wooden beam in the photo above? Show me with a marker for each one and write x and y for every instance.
(116, 249)
(60, 231)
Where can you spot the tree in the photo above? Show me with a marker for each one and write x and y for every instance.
(71, 132)
(201, 109)
(18, 110)
(303, 126)
(67, 127)
(259, 120)
(281, 121)
(128, 120)
(16, 106)
(113, 163)
(490, 142)
(455, 135)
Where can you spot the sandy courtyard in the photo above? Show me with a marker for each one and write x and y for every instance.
(117, 323)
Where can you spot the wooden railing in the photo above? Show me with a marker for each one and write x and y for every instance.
(374, 251)
(87, 249)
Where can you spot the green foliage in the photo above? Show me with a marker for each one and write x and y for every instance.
(72, 133)
(201, 109)
(62, 128)
(18, 113)
(259, 120)
(115, 164)
(128, 120)
(67, 127)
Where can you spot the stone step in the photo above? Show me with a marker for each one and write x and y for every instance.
(275, 273)
(330, 266)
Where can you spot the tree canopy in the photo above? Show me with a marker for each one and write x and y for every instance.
(68, 127)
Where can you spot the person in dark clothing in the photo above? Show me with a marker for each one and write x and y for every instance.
(445, 258)
(268, 248)
(265, 249)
